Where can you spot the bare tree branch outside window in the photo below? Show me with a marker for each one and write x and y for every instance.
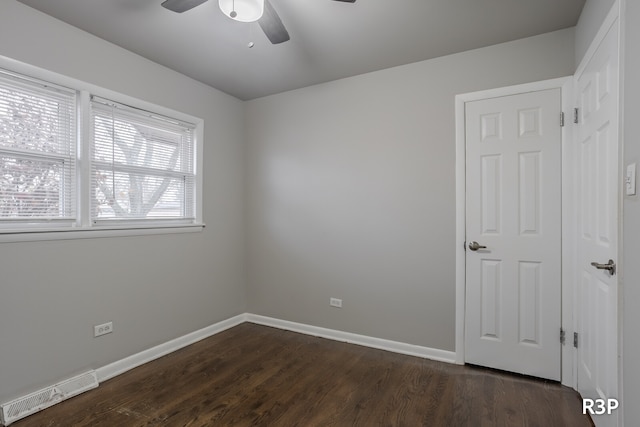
(137, 171)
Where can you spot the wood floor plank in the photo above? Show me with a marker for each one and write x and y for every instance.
(254, 375)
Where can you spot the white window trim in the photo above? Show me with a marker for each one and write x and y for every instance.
(83, 228)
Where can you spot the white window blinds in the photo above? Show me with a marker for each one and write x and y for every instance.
(142, 165)
(37, 150)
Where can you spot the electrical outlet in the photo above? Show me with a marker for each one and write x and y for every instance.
(105, 328)
(335, 302)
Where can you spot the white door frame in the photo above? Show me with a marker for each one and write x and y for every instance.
(568, 253)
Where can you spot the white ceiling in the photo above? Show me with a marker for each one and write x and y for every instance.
(329, 39)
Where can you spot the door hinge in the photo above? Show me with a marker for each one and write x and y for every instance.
(562, 119)
(562, 336)
(575, 339)
(576, 114)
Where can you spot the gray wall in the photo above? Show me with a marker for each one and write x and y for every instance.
(153, 288)
(593, 13)
(631, 217)
(351, 191)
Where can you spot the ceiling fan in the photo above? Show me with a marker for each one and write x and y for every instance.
(245, 11)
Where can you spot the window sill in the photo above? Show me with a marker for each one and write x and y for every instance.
(40, 234)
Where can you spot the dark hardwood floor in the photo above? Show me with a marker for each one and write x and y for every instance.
(254, 375)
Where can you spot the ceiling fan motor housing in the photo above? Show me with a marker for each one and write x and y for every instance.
(242, 10)
(245, 11)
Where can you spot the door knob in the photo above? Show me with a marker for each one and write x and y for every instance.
(474, 246)
(611, 266)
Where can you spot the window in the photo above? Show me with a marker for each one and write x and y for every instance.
(131, 166)
(142, 165)
(37, 151)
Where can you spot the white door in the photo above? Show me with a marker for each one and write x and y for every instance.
(513, 190)
(597, 223)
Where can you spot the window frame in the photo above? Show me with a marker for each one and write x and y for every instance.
(83, 227)
(121, 113)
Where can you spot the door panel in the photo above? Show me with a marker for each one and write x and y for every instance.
(529, 208)
(530, 307)
(490, 289)
(513, 155)
(492, 203)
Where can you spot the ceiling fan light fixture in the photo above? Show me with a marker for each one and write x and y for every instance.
(242, 10)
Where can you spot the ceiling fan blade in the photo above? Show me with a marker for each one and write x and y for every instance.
(347, 1)
(272, 25)
(181, 5)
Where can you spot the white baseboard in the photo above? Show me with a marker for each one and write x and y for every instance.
(332, 334)
(123, 365)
